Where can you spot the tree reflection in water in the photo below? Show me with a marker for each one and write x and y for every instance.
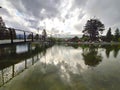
(90, 52)
(75, 46)
(110, 48)
(116, 50)
(63, 67)
(16, 58)
(91, 56)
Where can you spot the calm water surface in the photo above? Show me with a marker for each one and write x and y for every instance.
(61, 67)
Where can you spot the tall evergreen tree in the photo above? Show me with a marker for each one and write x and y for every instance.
(2, 29)
(44, 35)
(109, 35)
(36, 36)
(117, 34)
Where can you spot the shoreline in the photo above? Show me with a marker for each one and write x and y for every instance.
(92, 43)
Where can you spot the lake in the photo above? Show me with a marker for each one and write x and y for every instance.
(60, 67)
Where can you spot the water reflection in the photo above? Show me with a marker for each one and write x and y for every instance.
(110, 48)
(64, 67)
(16, 58)
(86, 67)
(22, 48)
(91, 56)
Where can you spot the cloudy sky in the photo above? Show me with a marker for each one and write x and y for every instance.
(59, 16)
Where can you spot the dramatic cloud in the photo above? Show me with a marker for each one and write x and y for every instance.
(56, 16)
(107, 10)
(39, 8)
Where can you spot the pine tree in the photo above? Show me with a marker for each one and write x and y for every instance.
(2, 29)
(44, 35)
(109, 35)
(117, 34)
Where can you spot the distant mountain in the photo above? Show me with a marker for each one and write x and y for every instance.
(21, 36)
(67, 36)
